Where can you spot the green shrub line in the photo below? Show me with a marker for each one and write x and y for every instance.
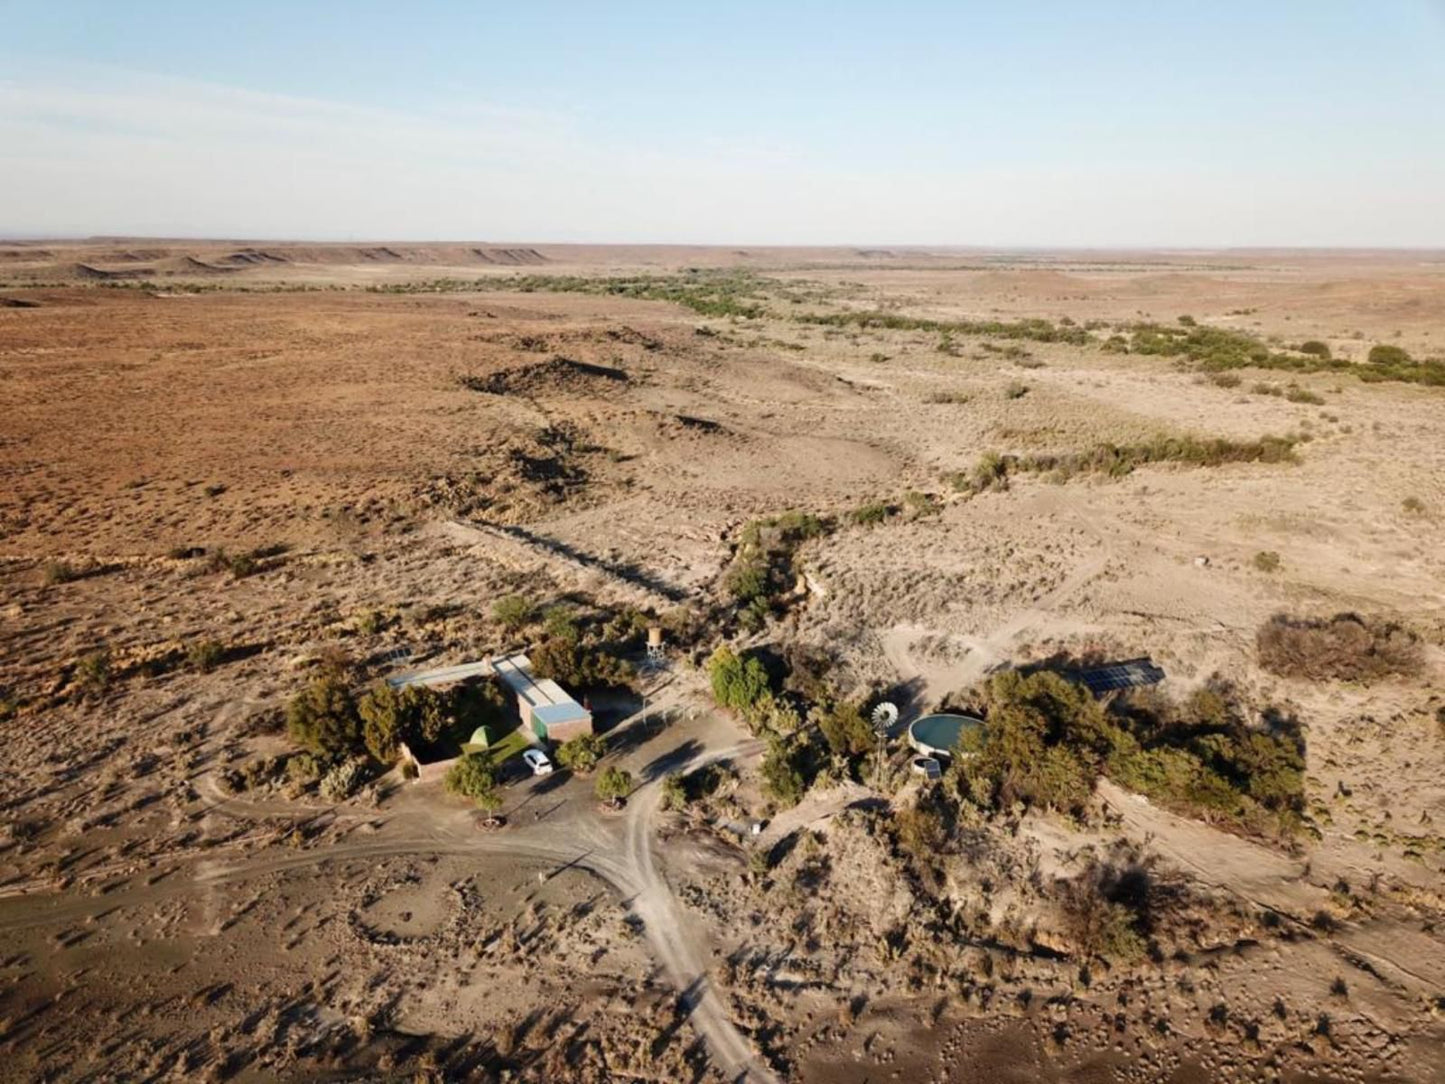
(1116, 460)
(707, 293)
(1035, 329)
(1218, 349)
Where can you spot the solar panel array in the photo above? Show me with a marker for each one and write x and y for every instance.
(1125, 675)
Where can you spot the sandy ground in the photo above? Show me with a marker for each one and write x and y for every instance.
(153, 927)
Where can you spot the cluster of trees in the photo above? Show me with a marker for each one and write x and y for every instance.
(582, 654)
(327, 720)
(832, 736)
(1047, 741)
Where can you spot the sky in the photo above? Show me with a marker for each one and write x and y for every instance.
(1154, 123)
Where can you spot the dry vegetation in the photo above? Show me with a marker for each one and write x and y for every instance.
(243, 484)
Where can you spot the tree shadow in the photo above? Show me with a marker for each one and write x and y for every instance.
(670, 761)
(628, 572)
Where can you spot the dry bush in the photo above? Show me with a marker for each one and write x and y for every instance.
(1346, 647)
(1113, 908)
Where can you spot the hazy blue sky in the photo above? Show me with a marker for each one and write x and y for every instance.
(1050, 123)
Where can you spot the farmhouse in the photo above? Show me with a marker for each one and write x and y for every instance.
(547, 713)
(544, 706)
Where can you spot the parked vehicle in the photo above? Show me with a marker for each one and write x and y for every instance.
(537, 761)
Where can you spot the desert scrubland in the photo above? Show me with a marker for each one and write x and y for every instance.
(233, 472)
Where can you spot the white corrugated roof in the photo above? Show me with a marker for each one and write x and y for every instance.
(516, 672)
(446, 675)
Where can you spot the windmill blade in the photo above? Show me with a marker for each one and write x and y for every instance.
(885, 715)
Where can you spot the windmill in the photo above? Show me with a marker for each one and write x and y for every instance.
(883, 717)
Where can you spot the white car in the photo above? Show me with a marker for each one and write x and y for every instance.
(537, 761)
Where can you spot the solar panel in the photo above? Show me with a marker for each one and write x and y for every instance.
(1125, 675)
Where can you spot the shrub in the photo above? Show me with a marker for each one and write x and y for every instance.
(920, 833)
(845, 730)
(239, 566)
(674, 791)
(1414, 505)
(871, 514)
(613, 785)
(1266, 561)
(990, 473)
(1116, 460)
(93, 674)
(581, 754)
(304, 769)
(560, 623)
(1296, 394)
(1346, 647)
(1015, 390)
(57, 572)
(782, 779)
(341, 781)
(513, 612)
(1107, 910)
(747, 581)
(1225, 380)
(322, 718)
(1188, 321)
(921, 504)
(1386, 355)
(472, 777)
(205, 655)
(1315, 348)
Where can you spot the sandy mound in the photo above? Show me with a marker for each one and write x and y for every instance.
(511, 257)
(101, 274)
(558, 375)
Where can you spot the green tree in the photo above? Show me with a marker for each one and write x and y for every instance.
(472, 777)
(782, 780)
(322, 718)
(613, 785)
(737, 683)
(1044, 744)
(580, 665)
(845, 730)
(415, 715)
(581, 754)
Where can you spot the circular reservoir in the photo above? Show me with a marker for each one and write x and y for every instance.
(937, 735)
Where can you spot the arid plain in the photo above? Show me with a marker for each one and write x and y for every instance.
(225, 467)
